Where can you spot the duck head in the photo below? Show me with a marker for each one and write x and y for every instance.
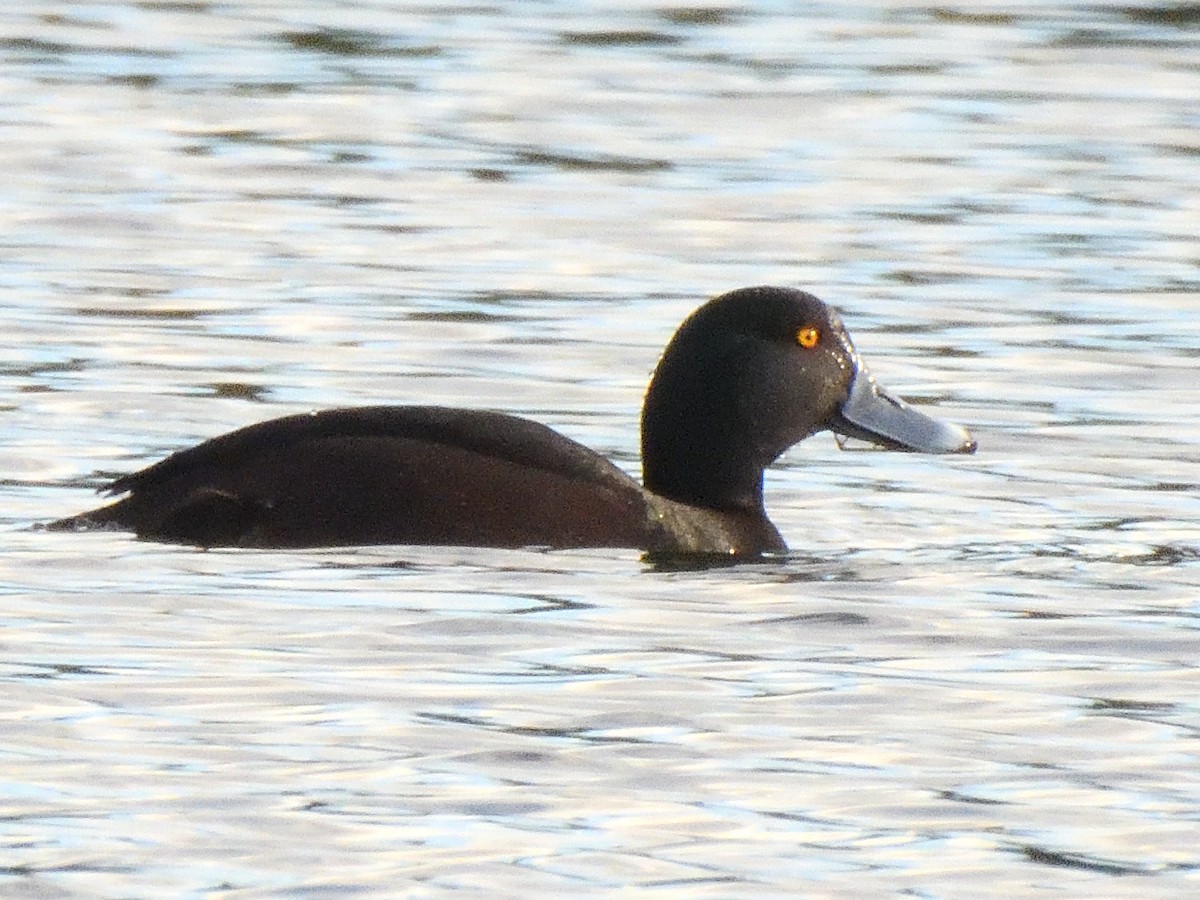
(748, 375)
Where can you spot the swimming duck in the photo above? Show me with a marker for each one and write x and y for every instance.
(746, 376)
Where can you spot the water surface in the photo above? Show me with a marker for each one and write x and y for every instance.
(972, 676)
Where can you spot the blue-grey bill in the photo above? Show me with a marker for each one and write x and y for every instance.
(870, 413)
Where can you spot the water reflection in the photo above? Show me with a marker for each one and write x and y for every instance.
(964, 671)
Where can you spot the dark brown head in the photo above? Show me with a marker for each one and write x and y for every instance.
(748, 375)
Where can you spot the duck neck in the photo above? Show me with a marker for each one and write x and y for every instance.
(693, 459)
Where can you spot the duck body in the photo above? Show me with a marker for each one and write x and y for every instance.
(437, 475)
(746, 376)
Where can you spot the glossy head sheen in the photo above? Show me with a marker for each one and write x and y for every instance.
(748, 375)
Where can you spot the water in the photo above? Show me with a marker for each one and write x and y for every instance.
(972, 677)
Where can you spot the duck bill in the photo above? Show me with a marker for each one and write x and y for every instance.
(872, 414)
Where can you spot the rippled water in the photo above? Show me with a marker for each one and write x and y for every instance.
(973, 676)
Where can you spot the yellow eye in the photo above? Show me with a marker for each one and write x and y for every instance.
(807, 336)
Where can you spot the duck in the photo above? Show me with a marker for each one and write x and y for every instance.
(746, 376)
